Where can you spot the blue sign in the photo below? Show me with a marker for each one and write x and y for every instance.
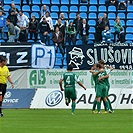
(18, 98)
(54, 98)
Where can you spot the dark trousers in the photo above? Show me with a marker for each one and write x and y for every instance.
(35, 35)
(85, 39)
(98, 37)
(45, 38)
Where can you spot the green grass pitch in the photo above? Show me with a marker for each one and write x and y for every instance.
(61, 121)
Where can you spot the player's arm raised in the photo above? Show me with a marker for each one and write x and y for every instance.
(103, 77)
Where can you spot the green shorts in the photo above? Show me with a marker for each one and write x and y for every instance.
(70, 93)
(101, 90)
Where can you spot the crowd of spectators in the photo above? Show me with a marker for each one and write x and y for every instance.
(19, 26)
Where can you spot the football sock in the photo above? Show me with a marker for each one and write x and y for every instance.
(94, 105)
(104, 105)
(73, 106)
(110, 106)
(98, 106)
(107, 105)
(0, 106)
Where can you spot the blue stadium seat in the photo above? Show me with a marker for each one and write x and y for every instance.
(54, 9)
(78, 42)
(100, 14)
(64, 8)
(111, 22)
(92, 22)
(73, 9)
(122, 21)
(65, 15)
(93, 2)
(54, 21)
(6, 2)
(27, 14)
(102, 2)
(35, 8)
(74, 2)
(58, 55)
(129, 30)
(30, 41)
(102, 9)
(92, 9)
(18, 7)
(130, 8)
(72, 15)
(36, 14)
(58, 62)
(65, 2)
(55, 2)
(54, 15)
(129, 37)
(65, 62)
(26, 8)
(111, 16)
(130, 15)
(91, 37)
(129, 23)
(121, 15)
(83, 8)
(6, 7)
(92, 30)
(45, 2)
(112, 29)
(92, 16)
(112, 9)
(83, 15)
(36, 2)
(56, 67)
(17, 2)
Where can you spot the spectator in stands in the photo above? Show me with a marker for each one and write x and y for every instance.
(122, 36)
(22, 20)
(105, 20)
(63, 19)
(84, 31)
(71, 33)
(129, 2)
(106, 35)
(1, 7)
(99, 29)
(49, 21)
(117, 27)
(13, 8)
(33, 28)
(44, 9)
(11, 31)
(2, 23)
(61, 27)
(23, 36)
(78, 22)
(44, 31)
(122, 5)
(112, 2)
(57, 39)
(13, 19)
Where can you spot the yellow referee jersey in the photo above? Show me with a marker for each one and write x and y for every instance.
(4, 73)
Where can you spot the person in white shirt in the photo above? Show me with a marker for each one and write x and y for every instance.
(22, 20)
(49, 21)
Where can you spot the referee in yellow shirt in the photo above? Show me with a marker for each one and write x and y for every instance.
(4, 76)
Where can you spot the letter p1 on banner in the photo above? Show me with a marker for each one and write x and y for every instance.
(42, 56)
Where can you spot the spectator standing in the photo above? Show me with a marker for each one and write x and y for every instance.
(112, 2)
(2, 23)
(57, 39)
(78, 22)
(33, 28)
(23, 36)
(11, 31)
(122, 36)
(117, 27)
(13, 8)
(22, 20)
(105, 20)
(44, 31)
(106, 35)
(44, 9)
(99, 29)
(13, 19)
(63, 19)
(84, 31)
(71, 33)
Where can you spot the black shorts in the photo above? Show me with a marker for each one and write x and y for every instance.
(3, 89)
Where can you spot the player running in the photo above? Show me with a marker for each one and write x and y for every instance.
(69, 79)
